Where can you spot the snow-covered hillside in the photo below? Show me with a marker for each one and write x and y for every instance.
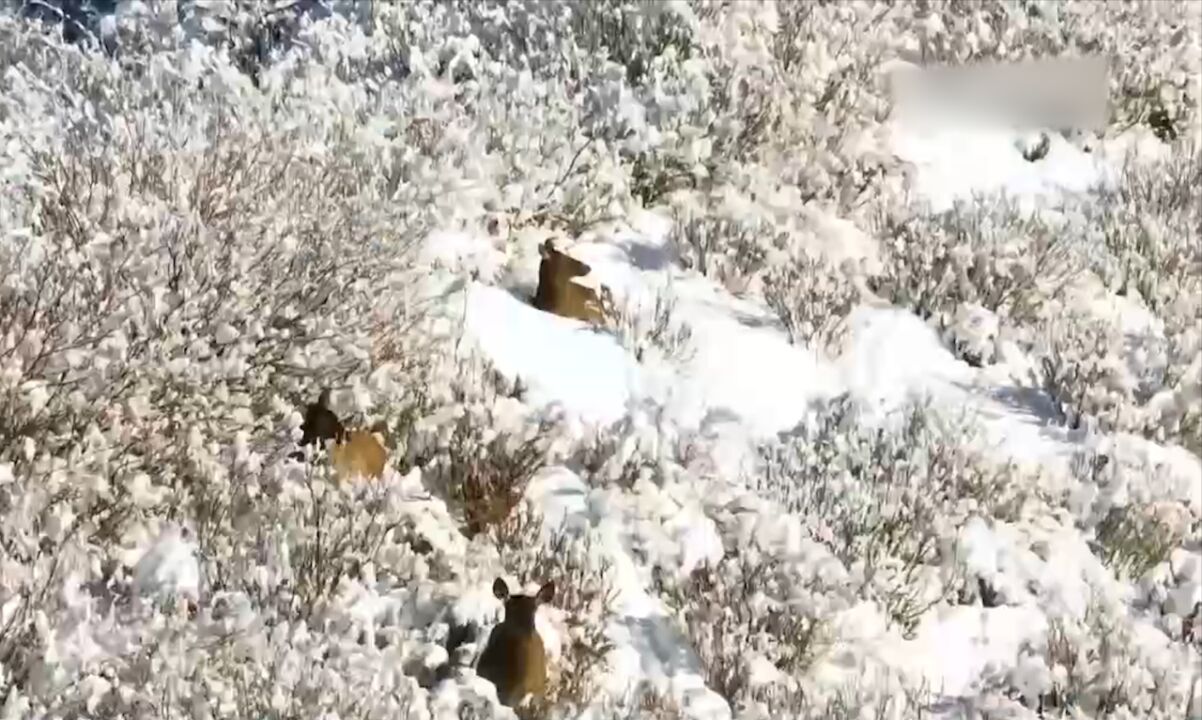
(888, 420)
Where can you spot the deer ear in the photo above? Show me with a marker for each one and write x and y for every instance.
(500, 589)
(546, 593)
(546, 249)
(323, 399)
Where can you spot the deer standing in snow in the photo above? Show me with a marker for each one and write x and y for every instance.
(514, 659)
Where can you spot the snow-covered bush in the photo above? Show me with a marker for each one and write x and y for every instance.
(479, 453)
(1130, 506)
(614, 455)
(811, 298)
(1084, 374)
(989, 254)
(720, 247)
(741, 614)
(1133, 541)
(253, 34)
(887, 500)
(639, 328)
(1146, 382)
(755, 624)
(829, 59)
(645, 701)
(234, 667)
(1088, 373)
(1149, 222)
(1095, 666)
(186, 260)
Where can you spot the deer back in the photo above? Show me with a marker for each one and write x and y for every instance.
(361, 455)
(515, 661)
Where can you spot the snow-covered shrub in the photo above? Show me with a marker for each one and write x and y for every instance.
(1095, 666)
(234, 667)
(792, 86)
(77, 20)
(987, 253)
(1149, 223)
(1148, 226)
(829, 58)
(720, 247)
(1120, 376)
(614, 455)
(852, 476)
(1087, 373)
(634, 34)
(479, 454)
(1084, 374)
(639, 329)
(746, 624)
(185, 262)
(656, 706)
(857, 701)
(1112, 476)
(886, 500)
(1134, 540)
(645, 701)
(754, 624)
(811, 298)
(254, 35)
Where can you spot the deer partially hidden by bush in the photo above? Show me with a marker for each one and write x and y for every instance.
(514, 659)
(559, 293)
(352, 452)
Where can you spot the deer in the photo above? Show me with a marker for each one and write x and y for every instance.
(352, 452)
(514, 659)
(558, 293)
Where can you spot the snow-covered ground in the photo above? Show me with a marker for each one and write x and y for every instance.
(216, 579)
(743, 382)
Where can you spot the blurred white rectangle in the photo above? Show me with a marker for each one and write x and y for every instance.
(1054, 93)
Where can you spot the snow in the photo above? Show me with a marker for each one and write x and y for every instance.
(957, 160)
(553, 354)
(738, 383)
(169, 566)
(743, 382)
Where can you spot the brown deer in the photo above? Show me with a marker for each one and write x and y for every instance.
(514, 658)
(352, 452)
(558, 293)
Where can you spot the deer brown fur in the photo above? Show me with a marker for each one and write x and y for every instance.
(514, 658)
(352, 452)
(558, 293)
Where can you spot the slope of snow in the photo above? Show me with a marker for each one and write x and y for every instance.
(742, 381)
(364, 590)
(563, 360)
